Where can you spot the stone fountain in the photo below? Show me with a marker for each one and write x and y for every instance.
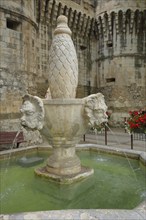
(63, 119)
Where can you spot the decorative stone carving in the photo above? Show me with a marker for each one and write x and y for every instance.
(95, 109)
(63, 64)
(63, 120)
(33, 112)
(63, 125)
(48, 94)
(42, 115)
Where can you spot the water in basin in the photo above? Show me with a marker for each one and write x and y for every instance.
(112, 186)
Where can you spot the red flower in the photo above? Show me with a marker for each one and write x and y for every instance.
(136, 120)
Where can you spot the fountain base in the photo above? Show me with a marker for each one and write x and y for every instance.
(65, 179)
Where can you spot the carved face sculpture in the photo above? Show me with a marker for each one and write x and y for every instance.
(32, 113)
(95, 109)
(99, 112)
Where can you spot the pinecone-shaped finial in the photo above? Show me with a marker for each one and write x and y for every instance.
(63, 64)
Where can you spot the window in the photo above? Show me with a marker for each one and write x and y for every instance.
(109, 43)
(82, 47)
(14, 25)
(110, 80)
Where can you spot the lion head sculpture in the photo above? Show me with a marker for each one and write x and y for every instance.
(32, 111)
(95, 109)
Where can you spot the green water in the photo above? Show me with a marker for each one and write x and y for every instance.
(113, 185)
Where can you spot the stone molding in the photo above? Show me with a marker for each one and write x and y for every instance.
(121, 21)
(84, 25)
(78, 22)
(141, 56)
(19, 16)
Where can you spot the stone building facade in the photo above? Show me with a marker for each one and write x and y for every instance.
(110, 40)
(122, 54)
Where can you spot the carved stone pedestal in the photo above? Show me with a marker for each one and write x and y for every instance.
(63, 161)
(65, 179)
(65, 124)
(63, 120)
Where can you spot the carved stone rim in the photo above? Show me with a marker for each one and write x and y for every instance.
(64, 101)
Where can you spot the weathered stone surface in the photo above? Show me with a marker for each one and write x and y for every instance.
(63, 122)
(121, 55)
(109, 39)
(63, 64)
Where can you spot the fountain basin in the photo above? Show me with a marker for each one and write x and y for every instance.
(63, 128)
(64, 122)
(138, 212)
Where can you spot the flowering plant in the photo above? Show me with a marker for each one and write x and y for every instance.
(136, 122)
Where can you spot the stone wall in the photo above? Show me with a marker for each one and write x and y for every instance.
(26, 34)
(109, 37)
(122, 55)
(81, 22)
